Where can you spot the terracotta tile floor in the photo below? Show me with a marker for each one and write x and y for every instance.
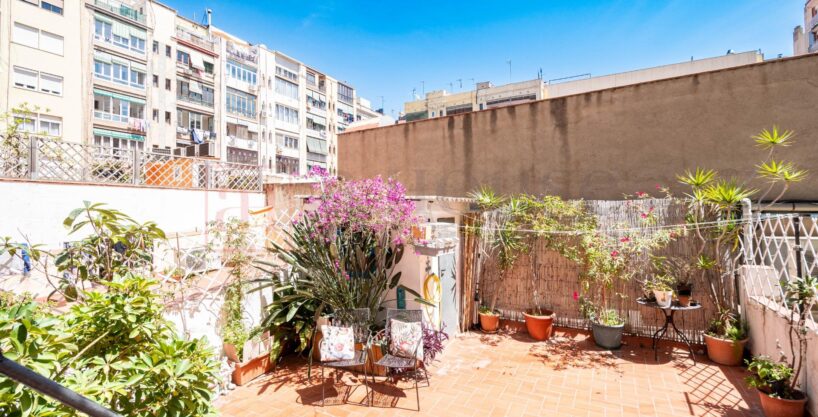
(511, 375)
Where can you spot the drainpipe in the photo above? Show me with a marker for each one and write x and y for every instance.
(209, 19)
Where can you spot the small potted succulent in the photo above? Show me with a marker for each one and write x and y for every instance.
(775, 382)
(489, 319)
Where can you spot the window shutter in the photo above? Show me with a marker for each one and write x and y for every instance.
(51, 43)
(26, 35)
(25, 78)
(51, 84)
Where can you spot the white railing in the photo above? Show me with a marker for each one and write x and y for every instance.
(44, 159)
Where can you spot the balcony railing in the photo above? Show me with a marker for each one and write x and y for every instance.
(134, 123)
(195, 39)
(194, 100)
(120, 9)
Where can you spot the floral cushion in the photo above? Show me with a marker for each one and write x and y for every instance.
(338, 343)
(404, 338)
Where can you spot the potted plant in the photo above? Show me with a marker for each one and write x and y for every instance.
(489, 319)
(539, 322)
(677, 273)
(250, 357)
(500, 219)
(607, 325)
(662, 290)
(713, 215)
(775, 384)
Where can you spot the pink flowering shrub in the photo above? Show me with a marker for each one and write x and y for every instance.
(345, 249)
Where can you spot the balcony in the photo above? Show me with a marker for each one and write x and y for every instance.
(195, 100)
(134, 124)
(116, 7)
(194, 39)
(812, 23)
(184, 134)
(241, 143)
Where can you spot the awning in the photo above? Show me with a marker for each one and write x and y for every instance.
(196, 61)
(252, 127)
(122, 30)
(102, 18)
(135, 66)
(120, 135)
(317, 119)
(119, 96)
(139, 33)
(121, 61)
(195, 87)
(102, 57)
(58, 3)
(316, 145)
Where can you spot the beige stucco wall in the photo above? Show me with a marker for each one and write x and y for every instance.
(652, 74)
(603, 144)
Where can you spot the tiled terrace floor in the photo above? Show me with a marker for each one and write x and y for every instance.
(511, 375)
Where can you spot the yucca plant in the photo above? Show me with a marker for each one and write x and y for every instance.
(714, 214)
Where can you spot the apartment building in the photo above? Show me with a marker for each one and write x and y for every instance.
(805, 38)
(364, 111)
(486, 96)
(134, 74)
(41, 83)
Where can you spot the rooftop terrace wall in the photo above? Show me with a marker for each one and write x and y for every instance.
(603, 144)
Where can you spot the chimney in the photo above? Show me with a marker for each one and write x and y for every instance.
(209, 18)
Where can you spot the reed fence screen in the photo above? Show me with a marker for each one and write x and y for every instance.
(555, 279)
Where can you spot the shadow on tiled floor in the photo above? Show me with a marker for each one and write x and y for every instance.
(509, 374)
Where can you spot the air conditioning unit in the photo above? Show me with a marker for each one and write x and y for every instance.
(185, 151)
(207, 149)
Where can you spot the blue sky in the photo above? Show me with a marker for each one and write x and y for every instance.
(390, 48)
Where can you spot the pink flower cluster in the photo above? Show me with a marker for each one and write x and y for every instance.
(367, 205)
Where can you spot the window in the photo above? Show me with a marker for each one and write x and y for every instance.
(121, 73)
(119, 34)
(102, 70)
(118, 108)
(316, 123)
(286, 114)
(316, 100)
(25, 78)
(183, 57)
(194, 92)
(51, 126)
(39, 124)
(50, 42)
(208, 67)
(26, 35)
(311, 79)
(286, 165)
(112, 145)
(241, 72)
(168, 51)
(240, 102)
(36, 81)
(155, 115)
(287, 141)
(51, 7)
(50, 84)
(285, 73)
(137, 78)
(155, 47)
(286, 88)
(155, 80)
(167, 84)
(167, 117)
(345, 93)
(191, 120)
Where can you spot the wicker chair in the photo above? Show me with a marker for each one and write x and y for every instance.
(358, 320)
(390, 361)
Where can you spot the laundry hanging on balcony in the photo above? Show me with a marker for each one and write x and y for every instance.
(197, 136)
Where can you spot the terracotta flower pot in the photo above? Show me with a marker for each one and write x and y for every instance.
(244, 372)
(779, 407)
(539, 326)
(725, 351)
(489, 323)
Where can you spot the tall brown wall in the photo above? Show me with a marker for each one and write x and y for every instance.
(603, 144)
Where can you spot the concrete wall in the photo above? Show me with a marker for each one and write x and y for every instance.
(603, 144)
(37, 209)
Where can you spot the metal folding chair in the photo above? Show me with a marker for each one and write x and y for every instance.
(358, 320)
(390, 361)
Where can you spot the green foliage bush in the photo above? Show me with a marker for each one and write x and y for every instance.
(113, 347)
